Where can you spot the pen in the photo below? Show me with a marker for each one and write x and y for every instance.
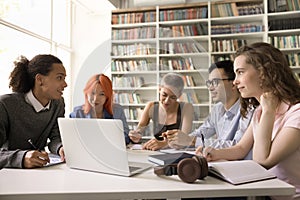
(203, 144)
(35, 148)
(31, 143)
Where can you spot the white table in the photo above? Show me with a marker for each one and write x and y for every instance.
(60, 182)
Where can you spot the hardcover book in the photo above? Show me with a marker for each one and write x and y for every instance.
(169, 158)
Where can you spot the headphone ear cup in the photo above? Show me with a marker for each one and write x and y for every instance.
(203, 165)
(188, 170)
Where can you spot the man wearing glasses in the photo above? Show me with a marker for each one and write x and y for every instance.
(224, 126)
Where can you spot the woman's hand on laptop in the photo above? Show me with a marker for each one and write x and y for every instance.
(61, 153)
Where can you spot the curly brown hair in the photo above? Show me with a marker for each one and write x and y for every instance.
(22, 78)
(274, 72)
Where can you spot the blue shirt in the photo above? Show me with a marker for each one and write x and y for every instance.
(223, 128)
(118, 113)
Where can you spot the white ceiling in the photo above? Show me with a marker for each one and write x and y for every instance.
(95, 6)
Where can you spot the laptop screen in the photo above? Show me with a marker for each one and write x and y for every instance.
(94, 145)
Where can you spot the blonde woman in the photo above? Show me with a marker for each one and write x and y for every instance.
(167, 114)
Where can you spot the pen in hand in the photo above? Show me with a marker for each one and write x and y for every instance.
(37, 149)
(31, 143)
(35, 158)
(203, 142)
(201, 149)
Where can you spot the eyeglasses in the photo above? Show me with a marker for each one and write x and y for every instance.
(215, 82)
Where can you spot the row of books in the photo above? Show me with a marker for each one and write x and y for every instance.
(132, 65)
(227, 45)
(188, 81)
(190, 96)
(293, 5)
(183, 14)
(127, 98)
(133, 98)
(291, 41)
(139, 81)
(216, 58)
(236, 28)
(176, 64)
(293, 59)
(133, 33)
(283, 24)
(181, 47)
(133, 49)
(187, 30)
(128, 81)
(283, 5)
(134, 17)
(133, 113)
(184, 30)
(217, 10)
(232, 9)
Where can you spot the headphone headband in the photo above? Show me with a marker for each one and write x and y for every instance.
(188, 169)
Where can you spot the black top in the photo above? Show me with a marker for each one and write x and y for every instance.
(160, 128)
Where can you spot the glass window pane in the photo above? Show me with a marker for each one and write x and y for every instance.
(33, 15)
(13, 44)
(61, 21)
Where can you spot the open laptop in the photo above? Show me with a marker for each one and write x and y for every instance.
(97, 145)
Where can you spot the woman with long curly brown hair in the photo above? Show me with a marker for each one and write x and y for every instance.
(266, 81)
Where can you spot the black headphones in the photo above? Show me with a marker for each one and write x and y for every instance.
(188, 169)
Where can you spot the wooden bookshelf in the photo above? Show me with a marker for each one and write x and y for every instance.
(187, 38)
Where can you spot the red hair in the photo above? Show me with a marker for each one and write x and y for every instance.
(106, 86)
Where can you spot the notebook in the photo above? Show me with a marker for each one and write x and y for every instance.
(239, 171)
(97, 145)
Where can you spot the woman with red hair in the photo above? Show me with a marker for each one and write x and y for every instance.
(98, 95)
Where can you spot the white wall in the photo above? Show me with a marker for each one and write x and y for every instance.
(91, 33)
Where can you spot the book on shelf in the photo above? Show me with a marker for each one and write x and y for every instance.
(239, 171)
(133, 113)
(283, 5)
(236, 9)
(188, 80)
(281, 24)
(137, 17)
(297, 75)
(183, 14)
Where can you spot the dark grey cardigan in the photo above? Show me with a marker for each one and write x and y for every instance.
(20, 122)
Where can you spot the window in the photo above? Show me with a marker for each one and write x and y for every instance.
(31, 27)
